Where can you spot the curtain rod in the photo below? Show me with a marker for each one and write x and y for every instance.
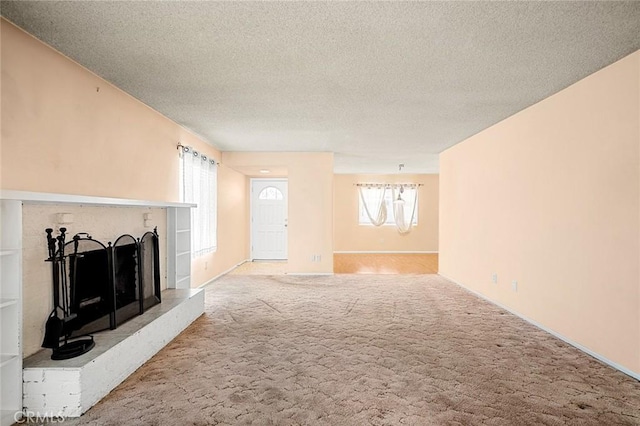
(186, 148)
(388, 185)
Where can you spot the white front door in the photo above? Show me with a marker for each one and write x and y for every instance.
(269, 219)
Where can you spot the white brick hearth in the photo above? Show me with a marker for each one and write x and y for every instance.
(70, 387)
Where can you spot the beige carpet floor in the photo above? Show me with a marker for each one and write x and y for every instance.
(365, 349)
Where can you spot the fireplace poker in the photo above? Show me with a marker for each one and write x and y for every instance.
(76, 240)
(63, 274)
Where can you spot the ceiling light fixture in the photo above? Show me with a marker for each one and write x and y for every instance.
(265, 171)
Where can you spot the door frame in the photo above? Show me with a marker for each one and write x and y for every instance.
(251, 180)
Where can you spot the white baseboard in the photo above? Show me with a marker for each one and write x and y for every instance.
(553, 333)
(384, 252)
(220, 275)
(309, 274)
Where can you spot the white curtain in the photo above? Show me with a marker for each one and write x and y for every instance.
(199, 186)
(404, 208)
(373, 201)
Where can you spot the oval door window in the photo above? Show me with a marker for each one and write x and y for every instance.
(270, 193)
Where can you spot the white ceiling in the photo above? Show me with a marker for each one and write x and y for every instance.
(377, 83)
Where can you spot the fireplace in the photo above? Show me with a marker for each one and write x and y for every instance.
(98, 287)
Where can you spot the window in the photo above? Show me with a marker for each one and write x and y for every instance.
(200, 185)
(372, 196)
(270, 193)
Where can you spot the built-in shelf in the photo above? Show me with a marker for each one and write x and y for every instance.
(7, 302)
(11, 310)
(183, 282)
(7, 358)
(179, 243)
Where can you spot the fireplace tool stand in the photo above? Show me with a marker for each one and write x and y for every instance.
(58, 328)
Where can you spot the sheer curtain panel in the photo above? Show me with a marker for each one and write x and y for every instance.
(405, 201)
(199, 186)
(374, 203)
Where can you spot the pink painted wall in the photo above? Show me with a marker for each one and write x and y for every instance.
(550, 197)
(349, 235)
(66, 130)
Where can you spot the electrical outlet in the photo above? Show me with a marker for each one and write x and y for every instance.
(494, 278)
(318, 258)
(514, 285)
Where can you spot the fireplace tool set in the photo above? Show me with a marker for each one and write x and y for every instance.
(59, 326)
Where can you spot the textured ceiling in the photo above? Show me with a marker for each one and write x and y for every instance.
(377, 83)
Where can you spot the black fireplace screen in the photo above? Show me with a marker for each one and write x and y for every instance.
(89, 286)
(126, 279)
(149, 269)
(108, 285)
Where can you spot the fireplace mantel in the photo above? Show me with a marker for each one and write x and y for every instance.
(52, 198)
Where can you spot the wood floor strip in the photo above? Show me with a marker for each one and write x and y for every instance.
(385, 263)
